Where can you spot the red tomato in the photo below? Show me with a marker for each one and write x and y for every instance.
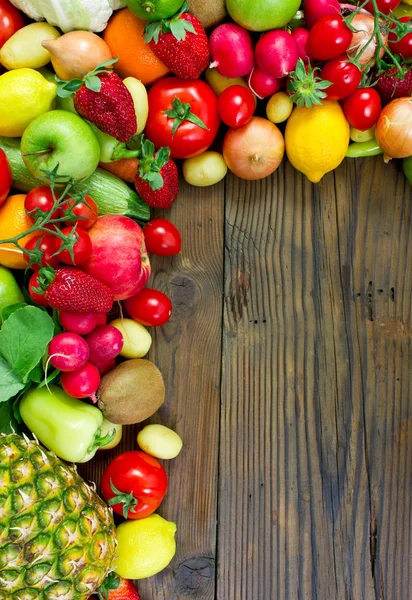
(236, 105)
(11, 20)
(162, 237)
(81, 249)
(39, 201)
(401, 41)
(329, 38)
(47, 247)
(134, 484)
(37, 298)
(190, 138)
(344, 76)
(362, 108)
(384, 6)
(149, 307)
(87, 210)
(5, 176)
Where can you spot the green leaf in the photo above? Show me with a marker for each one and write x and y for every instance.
(8, 423)
(36, 374)
(162, 157)
(24, 337)
(10, 382)
(9, 310)
(152, 32)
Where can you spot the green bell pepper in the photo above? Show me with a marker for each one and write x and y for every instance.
(363, 149)
(68, 427)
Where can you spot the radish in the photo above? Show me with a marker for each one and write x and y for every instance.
(300, 35)
(105, 343)
(277, 53)
(316, 9)
(78, 323)
(262, 84)
(68, 351)
(232, 50)
(119, 258)
(105, 367)
(82, 383)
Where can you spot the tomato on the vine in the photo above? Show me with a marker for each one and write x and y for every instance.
(40, 201)
(134, 484)
(362, 108)
(384, 6)
(236, 105)
(401, 43)
(162, 237)
(47, 247)
(5, 176)
(183, 115)
(344, 76)
(37, 298)
(329, 38)
(82, 248)
(11, 20)
(88, 212)
(149, 307)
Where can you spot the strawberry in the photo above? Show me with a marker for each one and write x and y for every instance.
(102, 98)
(391, 86)
(117, 588)
(73, 290)
(157, 180)
(181, 44)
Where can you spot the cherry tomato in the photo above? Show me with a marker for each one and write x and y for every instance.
(149, 307)
(5, 176)
(39, 201)
(329, 38)
(134, 484)
(11, 20)
(81, 249)
(403, 45)
(344, 76)
(190, 138)
(162, 237)
(362, 108)
(47, 247)
(37, 298)
(87, 210)
(236, 105)
(384, 6)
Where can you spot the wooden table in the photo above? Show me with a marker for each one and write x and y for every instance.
(288, 371)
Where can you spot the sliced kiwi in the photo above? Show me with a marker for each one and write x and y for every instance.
(209, 12)
(132, 392)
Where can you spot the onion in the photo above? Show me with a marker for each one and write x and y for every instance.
(394, 129)
(365, 23)
(76, 53)
(255, 150)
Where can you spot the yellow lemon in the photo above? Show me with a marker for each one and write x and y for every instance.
(144, 547)
(317, 139)
(24, 95)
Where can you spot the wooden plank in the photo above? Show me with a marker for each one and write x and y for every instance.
(316, 429)
(188, 352)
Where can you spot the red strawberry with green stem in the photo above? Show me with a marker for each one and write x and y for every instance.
(391, 85)
(157, 180)
(181, 44)
(102, 98)
(117, 588)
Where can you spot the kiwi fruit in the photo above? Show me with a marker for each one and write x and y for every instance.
(209, 12)
(131, 392)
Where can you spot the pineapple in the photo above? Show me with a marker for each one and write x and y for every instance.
(57, 537)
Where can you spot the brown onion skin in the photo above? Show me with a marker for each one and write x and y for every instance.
(365, 24)
(255, 150)
(394, 129)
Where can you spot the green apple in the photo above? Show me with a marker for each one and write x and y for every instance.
(63, 139)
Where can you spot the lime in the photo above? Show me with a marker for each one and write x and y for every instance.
(24, 95)
(154, 10)
(262, 15)
(145, 547)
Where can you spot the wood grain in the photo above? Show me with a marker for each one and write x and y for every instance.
(315, 464)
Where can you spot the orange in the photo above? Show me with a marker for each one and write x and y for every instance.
(124, 35)
(13, 221)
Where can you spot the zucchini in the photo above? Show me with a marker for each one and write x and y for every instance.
(111, 194)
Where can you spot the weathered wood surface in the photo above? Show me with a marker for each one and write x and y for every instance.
(287, 366)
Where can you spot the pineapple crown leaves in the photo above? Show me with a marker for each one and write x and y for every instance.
(129, 501)
(91, 80)
(111, 582)
(175, 25)
(307, 88)
(151, 163)
(182, 111)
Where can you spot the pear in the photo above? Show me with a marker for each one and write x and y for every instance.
(24, 49)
